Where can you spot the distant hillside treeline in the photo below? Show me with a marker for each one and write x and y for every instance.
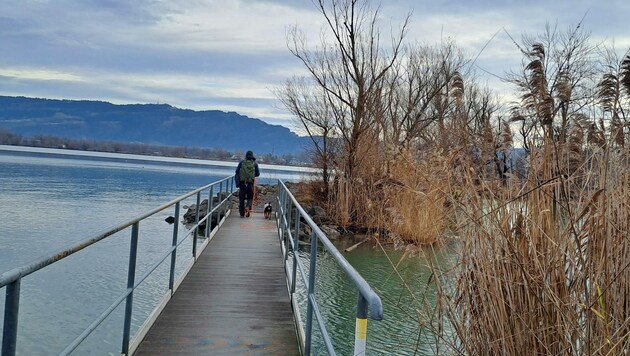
(48, 141)
(146, 124)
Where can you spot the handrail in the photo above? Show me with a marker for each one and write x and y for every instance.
(367, 297)
(12, 278)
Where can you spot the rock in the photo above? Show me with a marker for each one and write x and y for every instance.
(318, 214)
(261, 189)
(330, 231)
(189, 215)
(305, 232)
(222, 195)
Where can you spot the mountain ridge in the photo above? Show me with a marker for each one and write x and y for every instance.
(156, 124)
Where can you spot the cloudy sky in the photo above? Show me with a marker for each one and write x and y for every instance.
(230, 54)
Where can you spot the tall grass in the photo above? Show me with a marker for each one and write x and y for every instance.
(545, 268)
(403, 198)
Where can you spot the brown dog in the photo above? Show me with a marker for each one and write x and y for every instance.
(267, 210)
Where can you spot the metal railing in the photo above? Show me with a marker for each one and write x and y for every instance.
(12, 279)
(367, 298)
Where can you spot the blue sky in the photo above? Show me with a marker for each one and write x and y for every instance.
(230, 54)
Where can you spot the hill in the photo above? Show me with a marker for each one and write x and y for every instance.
(156, 124)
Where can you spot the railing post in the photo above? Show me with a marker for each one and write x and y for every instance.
(219, 202)
(225, 203)
(287, 214)
(210, 206)
(281, 198)
(11, 311)
(131, 280)
(171, 279)
(287, 207)
(310, 295)
(296, 241)
(194, 246)
(231, 191)
(360, 332)
(287, 234)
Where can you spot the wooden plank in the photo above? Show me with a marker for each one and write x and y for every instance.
(234, 301)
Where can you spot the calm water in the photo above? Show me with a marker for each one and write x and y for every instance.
(407, 294)
(49, 201)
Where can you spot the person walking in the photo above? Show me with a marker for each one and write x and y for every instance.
(245, 176)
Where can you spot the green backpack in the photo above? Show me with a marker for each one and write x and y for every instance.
(248, 172)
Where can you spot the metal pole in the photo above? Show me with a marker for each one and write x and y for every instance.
(219, 202)
(280, 212)
(296, 241)
(287, 218)
(231, 191)
(208, 215)
(131, 279)
(286, 235)
(225, 203)
(171, 279)
(194, 246)
(311, 292)
(360, 331)
(11, 310)
(210, 206)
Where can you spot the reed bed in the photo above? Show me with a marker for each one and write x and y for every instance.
(542, 262)
(545, 267)
(405, 200)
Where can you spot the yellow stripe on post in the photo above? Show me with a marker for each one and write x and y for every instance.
(360, 336)
(361, 329)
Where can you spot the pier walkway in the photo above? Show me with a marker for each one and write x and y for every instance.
(222, 307)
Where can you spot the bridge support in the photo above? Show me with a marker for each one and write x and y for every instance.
(11, 309)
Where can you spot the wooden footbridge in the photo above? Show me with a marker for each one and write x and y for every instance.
(238, 294)
(223, 308)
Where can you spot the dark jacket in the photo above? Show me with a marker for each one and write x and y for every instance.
(237, 175)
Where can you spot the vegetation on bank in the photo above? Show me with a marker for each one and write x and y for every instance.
(410, 144)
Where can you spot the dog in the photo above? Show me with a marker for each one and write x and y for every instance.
(267, 210)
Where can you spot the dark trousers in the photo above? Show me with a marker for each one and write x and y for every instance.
(245, 196)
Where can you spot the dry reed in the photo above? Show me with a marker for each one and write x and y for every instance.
(546, 270)
(403, 198)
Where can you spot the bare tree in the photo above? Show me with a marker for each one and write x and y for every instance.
(350, 69)
(413, 87)
(310, 105)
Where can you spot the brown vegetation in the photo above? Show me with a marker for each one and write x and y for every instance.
(543, 270)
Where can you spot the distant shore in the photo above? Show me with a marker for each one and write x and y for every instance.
(138, 157)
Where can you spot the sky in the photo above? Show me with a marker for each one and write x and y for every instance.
(231, 54)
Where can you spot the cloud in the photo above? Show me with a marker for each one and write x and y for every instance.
(228, 54)
(39, 74)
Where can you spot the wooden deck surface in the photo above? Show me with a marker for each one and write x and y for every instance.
(234, 301)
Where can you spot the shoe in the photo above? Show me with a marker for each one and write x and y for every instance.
(247, 212)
